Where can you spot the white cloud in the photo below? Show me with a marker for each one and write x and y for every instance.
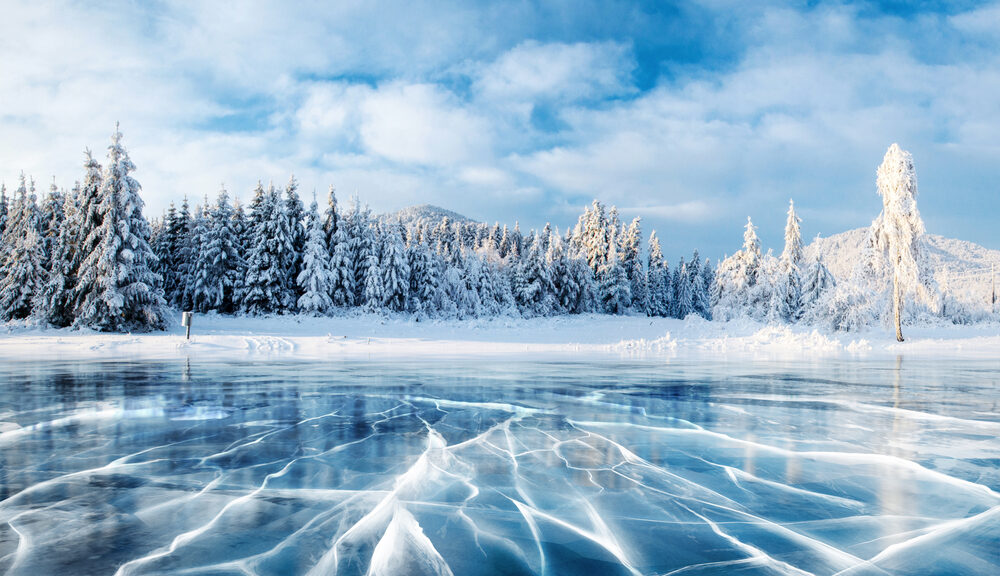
(533, 71)
(422, 124)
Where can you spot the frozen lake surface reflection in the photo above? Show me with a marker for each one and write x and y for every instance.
(462, 467)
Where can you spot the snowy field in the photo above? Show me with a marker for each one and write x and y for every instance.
(361, 335)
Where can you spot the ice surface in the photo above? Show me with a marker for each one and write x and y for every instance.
(500, 467)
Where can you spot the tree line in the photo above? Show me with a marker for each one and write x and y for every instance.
(89, 258)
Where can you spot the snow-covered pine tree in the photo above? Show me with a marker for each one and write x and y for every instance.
(90, 218)
(614, 289)
(23, 275)
(708, 285)
(50, 222)
(817, 281)
(294, 213)
(658, 301)
(373, 296)
(54, 305)
(187, 252)
(700, 299)
(314, 280)
(117, 284)
(330, 218)
(395, 270)
(264, 291)
(424, 280)
(241, 232)
(341, 267)
(534, 286)
(4, 210)
(632, 261)
(793, 237)
(197, 289)
(222, 267)
(564, 286)
(595, 237)
(684, 291)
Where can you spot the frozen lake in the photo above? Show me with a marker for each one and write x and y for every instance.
(493, 467)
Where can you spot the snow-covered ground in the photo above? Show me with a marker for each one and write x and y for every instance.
(367, 335)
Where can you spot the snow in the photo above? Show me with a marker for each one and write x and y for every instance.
(587, 336)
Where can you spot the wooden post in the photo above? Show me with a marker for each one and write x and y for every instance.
(186, 322)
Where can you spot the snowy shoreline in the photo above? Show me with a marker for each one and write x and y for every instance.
(588, 336)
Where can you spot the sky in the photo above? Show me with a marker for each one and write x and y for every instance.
(692, 115)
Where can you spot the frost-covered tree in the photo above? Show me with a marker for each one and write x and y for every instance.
(198, 291)
(395, 270)
(23, 275)
(632, 262)
(117, 285)
(816, 281)
(265, 289)
(614, 288)
(51, 217)
(314, 280)
(54, 305)
(330, 218)
(4, 210)
(341, 268)
(738, 289)
(373, 296)
(658, 280)
(533, 288)
(683, 301)
(424, 280)
(896, 235)
(221, 267)
(292, 260)
(793, 237)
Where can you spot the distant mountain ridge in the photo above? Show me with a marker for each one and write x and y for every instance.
(963, 265)
(425, 213)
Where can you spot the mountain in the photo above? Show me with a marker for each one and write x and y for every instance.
(424, 213)
(963, 266)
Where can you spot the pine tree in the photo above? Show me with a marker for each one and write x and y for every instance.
(50, 223)
(816, 282)
(395, 271)
(700, 299)
(4, 210)
(90, 218)
(683, 293)
(793, 237)
(341, 269)
(199, 290)
(265, 289)
(117, 285)
(23, 275)
(632, 262)
(314, 280)
(292, 260)
(374, 290)
(187, 251)
(330, 218)
(658, 303)
(54, 305)
(424, 280)
(615, 293)
(221, 266)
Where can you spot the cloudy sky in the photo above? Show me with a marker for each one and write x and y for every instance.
(693, 115)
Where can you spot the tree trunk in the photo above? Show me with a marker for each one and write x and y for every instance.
(898, 305)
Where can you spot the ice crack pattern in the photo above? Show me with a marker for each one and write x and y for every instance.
(499, 468)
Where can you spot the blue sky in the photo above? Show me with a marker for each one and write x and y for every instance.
(693, 115)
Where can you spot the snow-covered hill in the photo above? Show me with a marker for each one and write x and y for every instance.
(425, 213)
(963, 266)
